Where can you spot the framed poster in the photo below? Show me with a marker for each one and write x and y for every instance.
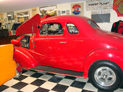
(58, 13)
(63, 12)
(1, 17)
(23, 16)
(67, 12)
(51, 10)
(10, 15)
(77, 9)
(118, 7)
(34, 11)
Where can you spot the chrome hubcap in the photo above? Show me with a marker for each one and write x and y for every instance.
(105, 76)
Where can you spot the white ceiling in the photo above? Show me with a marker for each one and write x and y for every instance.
(13, 5)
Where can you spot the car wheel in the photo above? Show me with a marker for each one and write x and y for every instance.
(105, 75)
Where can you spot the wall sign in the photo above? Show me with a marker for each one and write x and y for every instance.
(10, 15)
(77, 9)
(98, 4)
(118, 7)
(34, 11)
(51, 10)
(101, 16)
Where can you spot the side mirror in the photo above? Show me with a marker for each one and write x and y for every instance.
(14, 41)
(38, 26)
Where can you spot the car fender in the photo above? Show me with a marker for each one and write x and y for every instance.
(24, 58)
(113, 55)
(17, 42)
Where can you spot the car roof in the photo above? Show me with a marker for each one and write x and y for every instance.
(67, 18)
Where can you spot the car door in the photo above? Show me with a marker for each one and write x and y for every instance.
(74, 47)
(51, 45)
(41, 45)
(57, 51)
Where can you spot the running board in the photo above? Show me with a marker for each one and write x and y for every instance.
(57, 71)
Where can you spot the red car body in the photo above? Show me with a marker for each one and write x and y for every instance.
(70, 51)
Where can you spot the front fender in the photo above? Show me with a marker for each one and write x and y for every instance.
(113, 55)
(24, 58)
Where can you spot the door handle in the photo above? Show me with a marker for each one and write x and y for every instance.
(62, 42)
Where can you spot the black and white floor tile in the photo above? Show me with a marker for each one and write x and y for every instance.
(36, 81)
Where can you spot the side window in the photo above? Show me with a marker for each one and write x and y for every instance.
(54, 29)
(43, 30)
(72, 28)
(93, 24)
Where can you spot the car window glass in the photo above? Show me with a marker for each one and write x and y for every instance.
(72, 28)
(43, 30)
(54, 29)
(94, 25)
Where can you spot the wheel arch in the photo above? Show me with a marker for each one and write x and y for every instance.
(24, 58)
(111, 55)
(106, 61)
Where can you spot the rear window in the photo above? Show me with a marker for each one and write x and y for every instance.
(93, 24)
(72, 28)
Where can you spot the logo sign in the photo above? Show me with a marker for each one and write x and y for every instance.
(118, 7)
(76, 9)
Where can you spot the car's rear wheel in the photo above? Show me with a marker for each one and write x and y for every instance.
(105, 75)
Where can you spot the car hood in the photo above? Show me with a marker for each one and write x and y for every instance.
(30, 26)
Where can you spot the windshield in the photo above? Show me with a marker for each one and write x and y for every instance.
(93, 24)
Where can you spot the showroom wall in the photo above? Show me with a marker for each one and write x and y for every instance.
(104, 26)
(67, 6)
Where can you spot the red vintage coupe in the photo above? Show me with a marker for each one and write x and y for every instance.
(72, 45)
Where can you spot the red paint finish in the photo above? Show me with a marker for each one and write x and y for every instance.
(30, 26)
(19, 69)
(24, 59)
(70, 51)
(47, 16)
(111, 54)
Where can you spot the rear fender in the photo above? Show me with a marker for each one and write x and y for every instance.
(113, 55)
(24, 58)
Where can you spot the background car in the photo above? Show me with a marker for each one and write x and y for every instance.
(7, 64)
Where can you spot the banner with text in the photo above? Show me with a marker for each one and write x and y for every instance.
(98, 4)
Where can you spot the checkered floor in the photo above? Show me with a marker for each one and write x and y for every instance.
(36, 81)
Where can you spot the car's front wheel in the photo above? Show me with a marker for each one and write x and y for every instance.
(105, 75)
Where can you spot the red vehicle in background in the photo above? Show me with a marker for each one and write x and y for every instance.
(71, 45)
